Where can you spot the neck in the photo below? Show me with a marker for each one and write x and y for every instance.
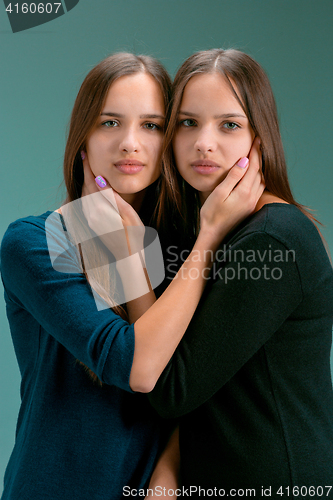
(134, 199)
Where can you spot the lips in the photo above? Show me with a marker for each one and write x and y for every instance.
(129, 166)
(205, 166)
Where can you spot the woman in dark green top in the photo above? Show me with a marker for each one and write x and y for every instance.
(250, 381)
(79, 438)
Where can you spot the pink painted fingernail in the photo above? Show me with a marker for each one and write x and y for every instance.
(83, 155)
(243, 162)
(100, 181)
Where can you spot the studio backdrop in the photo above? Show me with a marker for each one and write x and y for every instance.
(44, 60)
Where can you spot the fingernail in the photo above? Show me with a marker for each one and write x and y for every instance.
(83, 155)
(243, 162)
(100, 181)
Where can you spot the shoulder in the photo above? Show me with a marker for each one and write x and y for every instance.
(24, 233)
(284, 228)
(22, 230)
(33, 242)
(26, 224)
(282, 225)
(288, 224)
(283, 222)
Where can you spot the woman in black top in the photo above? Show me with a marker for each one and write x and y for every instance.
(250, 381)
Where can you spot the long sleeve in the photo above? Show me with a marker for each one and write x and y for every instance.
(251, 379)
(251, 294)
(63, 303)
(74, 438)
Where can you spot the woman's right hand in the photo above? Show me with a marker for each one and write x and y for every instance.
(234, 199)
(113, 219)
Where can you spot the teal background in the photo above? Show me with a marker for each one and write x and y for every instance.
(42, 69)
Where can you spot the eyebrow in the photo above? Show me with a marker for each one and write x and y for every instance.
(216, 117)
(118, 115)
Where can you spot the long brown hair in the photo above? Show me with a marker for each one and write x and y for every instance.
(86, 110)
(252, 89)
(87, 107)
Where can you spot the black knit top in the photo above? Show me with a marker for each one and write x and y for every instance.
(251, 379)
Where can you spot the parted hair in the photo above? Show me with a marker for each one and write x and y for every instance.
(88, 106)
(251, 87)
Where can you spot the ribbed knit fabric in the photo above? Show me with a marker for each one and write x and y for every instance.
(251, 379)
(74, 440)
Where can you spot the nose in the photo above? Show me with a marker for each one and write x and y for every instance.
(129, 142)
(205, 141)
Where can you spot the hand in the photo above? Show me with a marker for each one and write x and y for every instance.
(235, 198)
(110, 217)
(165, 477)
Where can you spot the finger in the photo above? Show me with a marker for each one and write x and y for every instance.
(93, 184)
(111, 197)
(257, 189)
(127, 212)
(98, 183)
(255, 156)
(261, 189)
(125, 209)
(235, 174)
(89, 185)
(254, 167)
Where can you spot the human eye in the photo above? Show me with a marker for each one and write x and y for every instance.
(230, 126)
(110, 123)
(152, 126)
(188, 122)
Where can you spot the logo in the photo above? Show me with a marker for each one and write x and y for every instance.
(25, 15)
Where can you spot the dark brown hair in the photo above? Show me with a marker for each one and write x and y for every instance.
(86, 110)
(252, 89)
(87, 107)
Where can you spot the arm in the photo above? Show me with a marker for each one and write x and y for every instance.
(122, 232)
(62, 302)
(234, 319)
(165, 475)
(155, 338)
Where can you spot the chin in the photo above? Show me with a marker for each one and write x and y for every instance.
(131, 186)
(204, 185)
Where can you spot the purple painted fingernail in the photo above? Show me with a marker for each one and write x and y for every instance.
(83, 155)
(243, 162)
(100, 181)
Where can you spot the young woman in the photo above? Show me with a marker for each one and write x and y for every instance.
(250, 381)
(76, 438)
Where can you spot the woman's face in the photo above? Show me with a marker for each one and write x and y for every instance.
(213, 132)
(125, 145)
